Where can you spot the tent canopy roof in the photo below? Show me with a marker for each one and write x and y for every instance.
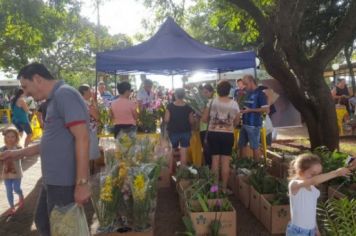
(172, 51)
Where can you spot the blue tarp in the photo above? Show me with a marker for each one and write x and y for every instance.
(172, 51)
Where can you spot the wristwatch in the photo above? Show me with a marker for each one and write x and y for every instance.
(82, 181)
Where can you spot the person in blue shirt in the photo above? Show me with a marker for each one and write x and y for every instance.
(255, 104)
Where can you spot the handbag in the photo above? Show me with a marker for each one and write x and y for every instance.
(207, 130)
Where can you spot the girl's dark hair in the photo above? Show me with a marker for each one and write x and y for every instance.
(302, 163)
(179, 93)
(122, 87)
(18, 94)
(223, 88)
(83, 88)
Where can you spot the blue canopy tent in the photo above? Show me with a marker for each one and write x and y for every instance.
(172, 51)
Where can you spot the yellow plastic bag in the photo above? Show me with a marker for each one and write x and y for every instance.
(69, 220)
(36, 128)
(195, 150)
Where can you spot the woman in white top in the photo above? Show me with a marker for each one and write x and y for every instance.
(222, 115)
(305, 173)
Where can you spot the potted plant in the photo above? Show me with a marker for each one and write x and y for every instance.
(337, 216)
(275, 209)
(261, 183)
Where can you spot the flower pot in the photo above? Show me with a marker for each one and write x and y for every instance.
(237, 186)
(232, 180)
(244, 190)
(202, 221)
(255, 199)
(181, 187)
(274, 217)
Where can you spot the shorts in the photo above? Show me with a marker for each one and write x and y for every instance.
(124, 128)
(23, 127)
(180, 139)
(220, 143)
(293, 230)
(251, 135)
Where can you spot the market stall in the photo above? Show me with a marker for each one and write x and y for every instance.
(170, 51)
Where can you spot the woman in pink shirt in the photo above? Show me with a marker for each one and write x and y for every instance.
(123, 110)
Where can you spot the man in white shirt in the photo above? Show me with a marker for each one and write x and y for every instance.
(145, 95)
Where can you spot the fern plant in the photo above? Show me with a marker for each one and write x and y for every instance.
(338, 217)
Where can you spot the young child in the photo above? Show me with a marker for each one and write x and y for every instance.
(305, 173)
(12, 170)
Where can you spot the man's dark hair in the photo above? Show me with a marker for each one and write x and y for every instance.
(208, 87)
(83, 88)
(223, 88)
(123, 87)
(148, 82)
(28, 71)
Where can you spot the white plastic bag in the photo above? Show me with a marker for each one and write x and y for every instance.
(69, 220)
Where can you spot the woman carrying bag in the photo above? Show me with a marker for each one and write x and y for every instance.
(222, 115)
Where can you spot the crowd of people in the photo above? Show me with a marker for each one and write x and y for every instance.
(70, 117)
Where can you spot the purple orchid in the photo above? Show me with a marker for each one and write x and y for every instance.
(214, 188)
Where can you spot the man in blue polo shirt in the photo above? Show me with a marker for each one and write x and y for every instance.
(255, 104)
(64, 146)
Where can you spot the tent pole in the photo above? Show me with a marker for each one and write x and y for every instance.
(172, 83)
(96, 86)
(115, 84)
(255, 72)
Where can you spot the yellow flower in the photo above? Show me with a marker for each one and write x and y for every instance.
(139, 187)
(123, 171)
(106, 190)
(139, 182)
(126, 141)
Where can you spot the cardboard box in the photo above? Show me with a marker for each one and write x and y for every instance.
(334, 193)
(164, 180)
(236, 189)
(232, 180)
(255, 199)
(149, 233)
(244, 190)
(202, 220)
(181, 187)
(274, 217)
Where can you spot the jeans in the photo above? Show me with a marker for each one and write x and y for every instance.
(293, 230)
(251, 135)
(13, 185)
(49, 197)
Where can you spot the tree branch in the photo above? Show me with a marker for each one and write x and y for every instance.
(344, 34)
(257, 15)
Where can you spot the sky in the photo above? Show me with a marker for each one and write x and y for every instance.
(125, 16)
(120, 16)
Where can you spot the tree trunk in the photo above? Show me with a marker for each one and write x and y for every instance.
(314, 103)
(348, 49)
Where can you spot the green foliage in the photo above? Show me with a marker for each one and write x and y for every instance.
(281, 195)
(188, 226)
(338, 217)
(247, 163)
(262, 182)
(330, 160)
